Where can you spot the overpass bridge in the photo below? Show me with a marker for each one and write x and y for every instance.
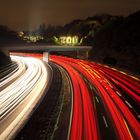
(81, 51)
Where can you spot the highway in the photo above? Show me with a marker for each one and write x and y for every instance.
(6, 70)
(105, 101)
(11, 76)
(23, 90)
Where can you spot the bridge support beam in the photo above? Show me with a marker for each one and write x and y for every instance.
(82, 54)
(46, 56)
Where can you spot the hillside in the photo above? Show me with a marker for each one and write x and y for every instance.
(115, 39)
(4, 60)
(118, 43)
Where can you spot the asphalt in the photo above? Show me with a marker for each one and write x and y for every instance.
(41, 123)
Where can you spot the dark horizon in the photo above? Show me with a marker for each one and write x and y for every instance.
(29, 14)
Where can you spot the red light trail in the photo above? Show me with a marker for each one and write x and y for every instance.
(85, 123)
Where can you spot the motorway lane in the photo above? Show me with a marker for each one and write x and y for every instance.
(7, 70)
(123, 94)
(43, 122)
(83, 118)
(18, 100)
(130, 85)
(36, 55)
(123, 113)
(107, 131)
(125, 124)
(126, 84)
(11, 77)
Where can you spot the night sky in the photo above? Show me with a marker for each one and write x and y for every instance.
(28, 14)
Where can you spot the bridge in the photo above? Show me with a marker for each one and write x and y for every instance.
(82, 51)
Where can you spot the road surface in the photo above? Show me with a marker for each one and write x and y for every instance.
(22, 92)
(105, 101)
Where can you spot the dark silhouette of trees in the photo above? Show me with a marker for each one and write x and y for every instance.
(119, 39)
(8, 36)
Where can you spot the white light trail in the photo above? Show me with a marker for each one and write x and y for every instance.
(32, 79)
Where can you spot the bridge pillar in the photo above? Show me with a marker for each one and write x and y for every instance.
(87, 52)
(46, 56)
(82, 54)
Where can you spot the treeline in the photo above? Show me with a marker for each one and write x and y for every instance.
(118, 42)
(82, 28)
(8, 36)
(115, 39)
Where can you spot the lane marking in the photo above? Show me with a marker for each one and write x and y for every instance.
(91, 87)
(128, 104)
(105, 121)
(97, 100)
(110, 86)
(135, 78)
(128, 129)
(118, 93)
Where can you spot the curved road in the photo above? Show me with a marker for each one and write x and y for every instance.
(19, 98)
(105, 101)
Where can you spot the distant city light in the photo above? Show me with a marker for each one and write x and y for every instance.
(21, 34)
(30, 38)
